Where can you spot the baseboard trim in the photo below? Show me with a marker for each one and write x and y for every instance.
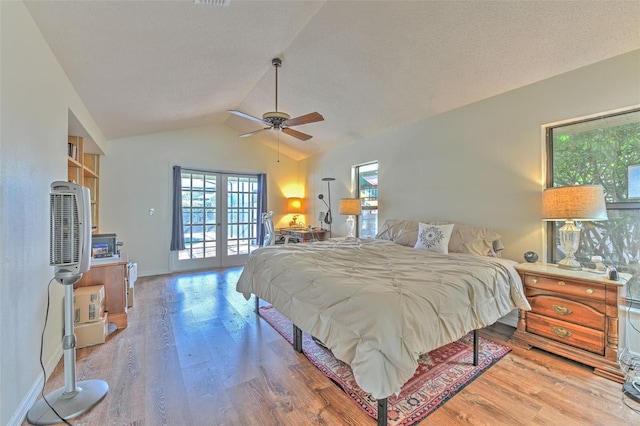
(32, 396)
(153, 273)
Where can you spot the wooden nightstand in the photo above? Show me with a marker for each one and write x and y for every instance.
(574, 314)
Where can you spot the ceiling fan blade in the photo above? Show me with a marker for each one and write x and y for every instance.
(296, 134)
(246, 135)
(304, 119)
(245, 115)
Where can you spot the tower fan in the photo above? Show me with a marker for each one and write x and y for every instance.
(70, 246)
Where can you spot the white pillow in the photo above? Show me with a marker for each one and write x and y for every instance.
(434, 238)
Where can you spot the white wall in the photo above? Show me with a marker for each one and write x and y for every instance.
(136, 176)
(35, 99)
(480, 164)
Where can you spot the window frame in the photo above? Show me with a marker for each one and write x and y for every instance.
(356, 193)
(551, 226)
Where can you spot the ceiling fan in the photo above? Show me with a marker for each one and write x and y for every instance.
(280, 120)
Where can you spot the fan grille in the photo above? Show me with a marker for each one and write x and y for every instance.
(65, 230)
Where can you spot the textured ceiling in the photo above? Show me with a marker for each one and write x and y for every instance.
(151, 66)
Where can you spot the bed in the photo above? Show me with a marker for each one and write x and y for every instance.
(379, 304)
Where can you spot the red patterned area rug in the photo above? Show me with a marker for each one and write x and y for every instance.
(441, 373)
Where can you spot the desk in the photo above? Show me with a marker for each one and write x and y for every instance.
(305, 235)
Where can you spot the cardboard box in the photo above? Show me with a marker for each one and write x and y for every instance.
(92, 333)
(88, 303)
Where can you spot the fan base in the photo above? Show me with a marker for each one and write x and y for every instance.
(89, 394)
(631, 392)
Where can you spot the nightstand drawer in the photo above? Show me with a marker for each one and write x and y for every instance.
(571, 288)
(568, 310)
(571, 334)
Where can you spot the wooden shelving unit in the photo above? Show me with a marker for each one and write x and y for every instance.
(84, 169)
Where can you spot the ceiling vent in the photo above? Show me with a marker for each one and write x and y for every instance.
(213, 2)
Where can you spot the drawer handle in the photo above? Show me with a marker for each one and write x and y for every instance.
(589, 291)
(562, 310)
(561, 332)
(561, 282)
(534, 280)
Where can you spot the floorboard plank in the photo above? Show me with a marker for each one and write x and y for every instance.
(195, 353)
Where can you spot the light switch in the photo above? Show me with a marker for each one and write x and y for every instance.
(151, 212)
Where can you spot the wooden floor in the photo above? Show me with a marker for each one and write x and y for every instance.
(195, 353)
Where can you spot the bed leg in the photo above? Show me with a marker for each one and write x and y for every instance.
(297, 339)
(382, 412)
(257, 306)
(475, 348)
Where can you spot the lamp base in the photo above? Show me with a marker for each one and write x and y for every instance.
(569, 241)
(571, 263)
(569, 266)
(350, 225)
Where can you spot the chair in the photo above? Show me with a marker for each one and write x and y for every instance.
(269, 230)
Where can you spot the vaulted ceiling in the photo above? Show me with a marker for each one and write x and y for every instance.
(366, 66)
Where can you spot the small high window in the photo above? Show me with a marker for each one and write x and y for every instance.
(366, 188)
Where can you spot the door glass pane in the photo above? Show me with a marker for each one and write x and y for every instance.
(242, 197)
(199, 209)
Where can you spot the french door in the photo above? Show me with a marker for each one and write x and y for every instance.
(220, 219)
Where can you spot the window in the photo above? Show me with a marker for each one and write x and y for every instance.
(366, 188)
(603, 151)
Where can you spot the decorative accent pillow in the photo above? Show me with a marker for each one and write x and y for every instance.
(434, 238)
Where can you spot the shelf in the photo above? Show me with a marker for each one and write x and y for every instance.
(84, 169)
(90, 173)
(72, 162)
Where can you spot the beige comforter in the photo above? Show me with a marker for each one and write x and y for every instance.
(378, 305)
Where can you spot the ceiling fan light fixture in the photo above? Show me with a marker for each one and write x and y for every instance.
(280, 120)
(275, 118)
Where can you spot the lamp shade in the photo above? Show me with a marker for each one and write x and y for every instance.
(350, 206)
(294, 205)
(579, 203)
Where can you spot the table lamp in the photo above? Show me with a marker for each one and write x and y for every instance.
(573, 203)
(294, 205)
(350, 207)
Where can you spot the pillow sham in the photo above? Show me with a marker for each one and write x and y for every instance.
(469, 239)
(407, 237)
(392, 229)
(476, 240)
(434, 238)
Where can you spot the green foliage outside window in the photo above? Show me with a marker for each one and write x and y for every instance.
(599, 152)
